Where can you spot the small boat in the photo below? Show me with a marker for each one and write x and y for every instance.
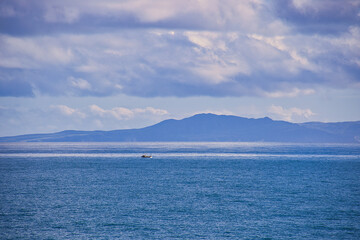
(146, 156)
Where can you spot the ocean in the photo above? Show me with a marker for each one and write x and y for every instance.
(185, 191)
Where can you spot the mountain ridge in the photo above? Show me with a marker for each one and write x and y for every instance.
(211, 128)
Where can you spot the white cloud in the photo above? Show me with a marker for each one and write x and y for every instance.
(278, 43)
(303, 4)
(215, 62)
(97, 110)
(290, 114)
(33, 52)
(213, 73)
(151, 11)
(65, 109)
(151, 110)
(68, 111)
(90, 67)
(205, 39)
(295, 92)
(122, 113)
(79, 83)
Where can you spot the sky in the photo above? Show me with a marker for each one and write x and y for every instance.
(118, 64)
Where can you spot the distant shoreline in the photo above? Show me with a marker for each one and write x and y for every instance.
(211, 128)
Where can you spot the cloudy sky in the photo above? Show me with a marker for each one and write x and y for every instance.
(114, 64)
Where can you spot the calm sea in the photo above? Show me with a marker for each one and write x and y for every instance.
(186, 191)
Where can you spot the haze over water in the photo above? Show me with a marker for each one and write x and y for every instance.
(187, 190)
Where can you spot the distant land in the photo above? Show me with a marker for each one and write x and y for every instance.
(212, 128)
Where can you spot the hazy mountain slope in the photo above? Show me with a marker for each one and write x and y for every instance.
(347, 131)
(210, 127)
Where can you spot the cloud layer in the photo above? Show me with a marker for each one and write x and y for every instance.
(59, 117)
(291, 114)
(177, 48)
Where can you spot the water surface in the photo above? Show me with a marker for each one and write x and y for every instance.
(186, 191)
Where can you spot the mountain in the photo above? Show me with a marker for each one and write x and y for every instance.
(211, 127)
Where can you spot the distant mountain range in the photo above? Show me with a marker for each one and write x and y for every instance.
(212, 128)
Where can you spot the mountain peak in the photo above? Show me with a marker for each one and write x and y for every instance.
(209, 127)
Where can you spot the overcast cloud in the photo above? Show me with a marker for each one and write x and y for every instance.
(178, 48)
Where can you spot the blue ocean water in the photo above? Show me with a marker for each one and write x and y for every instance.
(186, 191)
